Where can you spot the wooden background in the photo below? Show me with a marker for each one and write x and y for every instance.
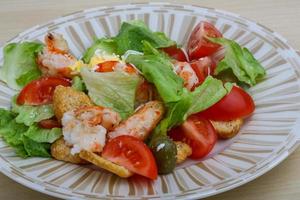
(283, 182)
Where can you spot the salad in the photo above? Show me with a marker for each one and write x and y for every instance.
(136, 103)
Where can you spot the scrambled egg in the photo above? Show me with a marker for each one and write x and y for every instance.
(100, 56)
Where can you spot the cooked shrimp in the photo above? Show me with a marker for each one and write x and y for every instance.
(145, 92)
(142, 122)
(186, 72)
(55, 59)
(85, 128)
(95, 115)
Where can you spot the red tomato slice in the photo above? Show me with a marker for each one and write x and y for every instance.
(176, 53)
(109, 66)
(203, 67)
(198, 46)
(40, 91)
(131, 153)
(236, 104)
(49, 124)
(198, 133)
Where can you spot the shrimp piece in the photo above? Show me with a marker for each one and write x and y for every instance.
(55, 58)
(95, 115)
(85, 128)
(145, 92)
(142, 122)
(186, 72)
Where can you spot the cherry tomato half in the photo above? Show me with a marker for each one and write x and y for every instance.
(49, 124)
(131, 153)
(203, 67)
(39, 92)
(198, 46)
(198, 133)
(110, 66)
(236, 104)
(176, 53)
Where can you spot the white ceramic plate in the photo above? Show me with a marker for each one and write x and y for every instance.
(267, 138)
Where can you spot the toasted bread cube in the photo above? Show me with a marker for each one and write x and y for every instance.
(227, 129)
(183, 151)
(60, 151)
(105, 164)
(67, 98)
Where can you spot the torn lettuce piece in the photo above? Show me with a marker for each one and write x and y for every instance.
(36, 149)
(204, 96)
(115, 90)
(20, 65)
(207, 94)
(159, 72)
(240, 62)
(29, 115)
(78, 84)
(107, 45)
(12, 132)
(41, 135)
(28, 77)
(26, 141)
(132, 33)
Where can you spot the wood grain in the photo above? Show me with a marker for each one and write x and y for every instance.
(283, 182)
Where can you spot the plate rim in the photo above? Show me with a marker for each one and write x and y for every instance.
(275, 162)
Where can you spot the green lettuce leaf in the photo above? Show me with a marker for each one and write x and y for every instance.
(105, 44)
(179, 102)
(78, 84)
(132, 34)
(207, 94)
(36, 149)
(30, 114)
(204, 96)
(115, 90)
(41, 135)
(20, 65)
(240, 61)
(12, 132)
(26, 141)
(28, 76)
(156, 70)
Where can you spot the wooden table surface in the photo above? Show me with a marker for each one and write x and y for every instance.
(283, 182)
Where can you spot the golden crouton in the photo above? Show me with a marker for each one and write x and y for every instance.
(105, 164)
(183, 151)
(67, 98)
(227, 129)
(60, 151)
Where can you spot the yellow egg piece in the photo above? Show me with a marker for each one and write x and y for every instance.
(77, 66)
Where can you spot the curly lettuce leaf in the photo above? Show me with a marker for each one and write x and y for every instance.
(78, 84)
(105, 44)
(26, 141)
(132, 34)
(158, 71)
(204, 96)
(36, 149)
(115, 90)
(41, 135)
(20, 65)
(30, 114)
(12, 132)
(207, 94)
(240, 61)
